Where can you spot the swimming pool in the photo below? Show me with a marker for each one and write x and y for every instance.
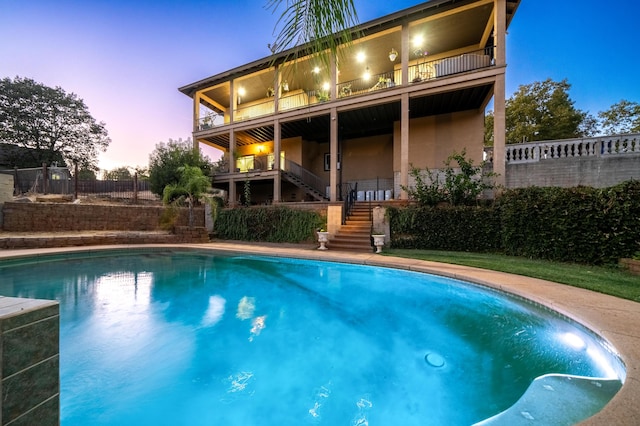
(198, 338)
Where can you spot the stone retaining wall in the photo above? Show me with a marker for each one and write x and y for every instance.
(183, 234)
(61, 217)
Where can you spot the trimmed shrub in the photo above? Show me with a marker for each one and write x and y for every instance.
(457, 228)
(271, 224)
(582, 224)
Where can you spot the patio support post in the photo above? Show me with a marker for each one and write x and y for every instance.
(333, 155)
(334, 78)
(404, 145)
(277, 92)
(277, 183)
(196, 114)
(499, 93)
(232, 166)
(232, 101)
(404, 54)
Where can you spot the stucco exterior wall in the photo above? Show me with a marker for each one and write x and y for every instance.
(367, 158)
(432, 139)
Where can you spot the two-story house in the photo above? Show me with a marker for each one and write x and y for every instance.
(407, 91)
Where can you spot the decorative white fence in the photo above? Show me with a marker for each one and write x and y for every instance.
(599, 146)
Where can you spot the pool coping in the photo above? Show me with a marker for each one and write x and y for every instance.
(610, 317)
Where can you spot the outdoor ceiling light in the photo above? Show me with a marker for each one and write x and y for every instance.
(241, 93)
(316, 70)
(367, 74)
(418, 39)
(326, 86)
(360, 57)
(393, 55)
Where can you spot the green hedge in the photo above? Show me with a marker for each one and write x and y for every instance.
(271, 224)
(582, 224)
(458, 228)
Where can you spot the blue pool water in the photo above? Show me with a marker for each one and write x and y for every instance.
(194, 338)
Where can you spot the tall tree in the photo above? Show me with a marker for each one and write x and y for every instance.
(50, 123)
(167, 158)
(120, 173)
(622, 117)
(543, 111)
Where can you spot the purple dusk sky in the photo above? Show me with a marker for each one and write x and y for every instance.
(126, 59)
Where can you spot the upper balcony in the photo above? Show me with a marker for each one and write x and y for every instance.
(412, 47)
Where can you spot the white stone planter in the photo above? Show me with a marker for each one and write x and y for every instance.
(378, 241)
(323, 238)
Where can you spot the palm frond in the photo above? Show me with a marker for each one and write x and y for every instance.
(324, 24)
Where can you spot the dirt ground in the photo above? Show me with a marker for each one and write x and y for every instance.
(144, 198)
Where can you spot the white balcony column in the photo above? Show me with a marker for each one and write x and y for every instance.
(333, 155)
(404, 145)
(404, 54)
(277, 182)
(232, 167)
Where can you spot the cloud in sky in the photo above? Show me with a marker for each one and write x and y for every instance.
(126, 59)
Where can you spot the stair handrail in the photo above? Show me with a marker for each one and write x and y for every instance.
(348, 200)
(308, 178)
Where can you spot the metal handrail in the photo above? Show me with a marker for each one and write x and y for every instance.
(348, 200)
(428, 70)
(359, 86)
(311, 180)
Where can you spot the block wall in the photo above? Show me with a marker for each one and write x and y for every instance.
(59, 217)
(598, 172)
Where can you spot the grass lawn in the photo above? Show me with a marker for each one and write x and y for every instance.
(604, 279)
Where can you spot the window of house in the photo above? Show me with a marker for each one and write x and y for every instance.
(245, 163)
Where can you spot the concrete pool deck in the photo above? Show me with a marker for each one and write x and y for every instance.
(617, 320)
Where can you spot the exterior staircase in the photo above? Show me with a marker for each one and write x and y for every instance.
(308, 189)
(355, 235)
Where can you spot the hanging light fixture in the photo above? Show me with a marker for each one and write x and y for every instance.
(393, 55)
(367, 73)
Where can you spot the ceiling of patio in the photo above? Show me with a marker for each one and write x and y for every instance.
(362, 122)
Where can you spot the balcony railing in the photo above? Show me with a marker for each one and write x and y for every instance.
(210, 121)
(600, 146)
(425, 70)
(421, 70)
(361, 86)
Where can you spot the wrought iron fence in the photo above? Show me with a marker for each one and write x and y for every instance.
(59, 180)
